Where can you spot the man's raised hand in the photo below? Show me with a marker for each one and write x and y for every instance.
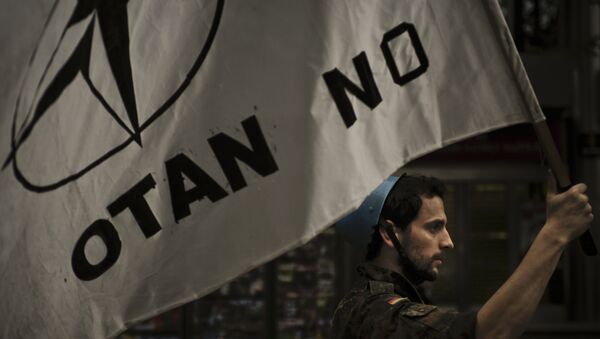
(568, 214)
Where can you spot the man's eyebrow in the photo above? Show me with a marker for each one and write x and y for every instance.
(436, 223)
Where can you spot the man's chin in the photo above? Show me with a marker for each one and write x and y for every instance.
(429, 275)
(418, 270)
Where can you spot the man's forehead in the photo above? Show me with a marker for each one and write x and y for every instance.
(432, 208)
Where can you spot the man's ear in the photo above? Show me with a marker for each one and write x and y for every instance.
(384, 235)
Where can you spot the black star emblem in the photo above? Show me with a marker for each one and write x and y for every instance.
(109, 18)
(114, 29)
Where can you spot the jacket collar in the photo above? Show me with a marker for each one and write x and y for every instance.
(401, 285)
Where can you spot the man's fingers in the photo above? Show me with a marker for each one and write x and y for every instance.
(579, 188)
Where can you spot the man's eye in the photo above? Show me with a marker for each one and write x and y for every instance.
(435, 228)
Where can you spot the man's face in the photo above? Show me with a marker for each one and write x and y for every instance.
(425, 240)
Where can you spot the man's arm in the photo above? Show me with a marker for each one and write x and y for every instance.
(507, 312)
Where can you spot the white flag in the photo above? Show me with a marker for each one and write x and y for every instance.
(153, 150)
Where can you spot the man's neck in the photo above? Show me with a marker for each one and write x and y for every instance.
(388, 263)
(394, 266)
(392, 263)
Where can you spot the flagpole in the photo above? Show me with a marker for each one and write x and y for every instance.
(562, 176)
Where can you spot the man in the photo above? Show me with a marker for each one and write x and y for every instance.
(407, 247)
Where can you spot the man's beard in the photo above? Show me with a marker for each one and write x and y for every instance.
(415, 267)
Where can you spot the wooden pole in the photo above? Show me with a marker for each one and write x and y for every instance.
(562, 176)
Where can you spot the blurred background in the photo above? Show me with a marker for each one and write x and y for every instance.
(495, 205)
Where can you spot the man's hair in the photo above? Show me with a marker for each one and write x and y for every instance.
(402, 205)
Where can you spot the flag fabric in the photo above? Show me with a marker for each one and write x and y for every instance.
(153, 150)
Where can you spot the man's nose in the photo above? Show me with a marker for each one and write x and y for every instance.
(446, 242)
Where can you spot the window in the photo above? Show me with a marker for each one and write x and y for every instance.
(492, 225)
(290, 297)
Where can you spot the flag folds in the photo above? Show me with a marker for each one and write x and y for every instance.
(153, 150)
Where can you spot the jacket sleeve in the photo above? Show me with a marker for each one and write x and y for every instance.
(388, 317)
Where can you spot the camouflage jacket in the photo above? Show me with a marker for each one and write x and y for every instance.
(385, 305)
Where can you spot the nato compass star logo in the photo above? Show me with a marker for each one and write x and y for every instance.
(111, 56)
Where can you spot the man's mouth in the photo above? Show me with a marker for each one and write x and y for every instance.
(437, 260)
